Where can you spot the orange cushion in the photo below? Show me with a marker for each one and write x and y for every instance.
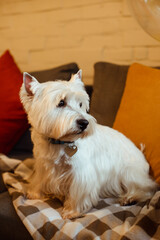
(138, 116)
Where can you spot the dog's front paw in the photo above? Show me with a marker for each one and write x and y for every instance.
(71, 214)
(33, 195)
(126, 201)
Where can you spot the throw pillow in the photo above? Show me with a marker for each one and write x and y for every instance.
(109, 82)
(13, 121)
(138, 116)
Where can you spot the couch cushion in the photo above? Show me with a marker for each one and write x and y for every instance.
(138, 116)
(13, 120)
(11, 227)
(63, 72)
(2, 185)
(109, 82)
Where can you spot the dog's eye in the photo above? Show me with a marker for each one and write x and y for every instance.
(61, 103)
(80, 105)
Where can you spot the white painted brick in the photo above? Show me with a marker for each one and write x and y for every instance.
(91, 27)
(71, 3)
(4, 22)
(5, 43)
(65, 41)
(15, 1)
(35, 24)
(154, 54)
(45, 34)
(123, 54)
(35, 31)
(45, 56)
(23, 67)
(126, 8)
(36, 66)
(101, 41)
(149, 63)
(129, 23)
(63, 15)
(28, 20)
(50, 29)
(80, 54)
(21, 57)
(6, 33)
(21, 6)
(140, 53)
(100, 10)
(138, 38)
(28, 43)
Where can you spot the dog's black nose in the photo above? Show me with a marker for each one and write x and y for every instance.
(82, 123)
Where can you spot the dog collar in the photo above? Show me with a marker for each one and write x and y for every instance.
(56, 141)
(70, 148)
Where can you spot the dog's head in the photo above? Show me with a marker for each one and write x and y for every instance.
(57, 109)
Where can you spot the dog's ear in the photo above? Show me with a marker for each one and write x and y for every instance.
(77, 77)
(79, 74)
(30, 83)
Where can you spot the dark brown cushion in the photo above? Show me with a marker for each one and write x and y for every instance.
(109, 82)
(63, 72)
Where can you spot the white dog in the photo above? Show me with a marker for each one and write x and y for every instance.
(76, 159)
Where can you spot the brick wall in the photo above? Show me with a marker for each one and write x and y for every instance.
(42, 34)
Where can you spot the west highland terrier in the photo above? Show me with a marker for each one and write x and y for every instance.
(76, 159)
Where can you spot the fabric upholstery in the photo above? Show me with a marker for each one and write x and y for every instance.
(138, 116)
(107, 220)
(13, 120)
(63, 72)
(109, 82)
(11, 227)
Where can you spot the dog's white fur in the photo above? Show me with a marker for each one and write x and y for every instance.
(106, 162)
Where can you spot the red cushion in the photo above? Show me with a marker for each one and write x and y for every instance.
(13, 120)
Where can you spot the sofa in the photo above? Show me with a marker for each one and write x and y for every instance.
(108, 220)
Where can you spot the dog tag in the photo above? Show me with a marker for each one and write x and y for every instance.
(70, 150)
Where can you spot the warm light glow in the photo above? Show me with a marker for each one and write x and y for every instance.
(147, 13)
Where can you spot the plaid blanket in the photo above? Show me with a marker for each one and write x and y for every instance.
(108, 220)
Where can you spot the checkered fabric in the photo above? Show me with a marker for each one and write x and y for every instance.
(108, 220)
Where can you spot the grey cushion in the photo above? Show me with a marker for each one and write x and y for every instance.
(109, 83)
(11, 227)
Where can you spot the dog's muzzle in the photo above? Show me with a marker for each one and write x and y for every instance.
(82, 124)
